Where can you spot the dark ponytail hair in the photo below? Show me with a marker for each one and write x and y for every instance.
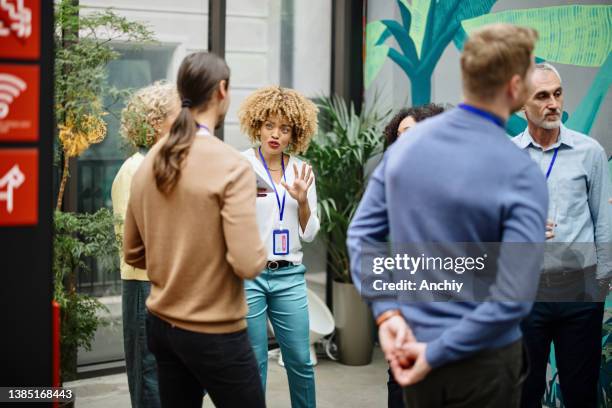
(198, 78)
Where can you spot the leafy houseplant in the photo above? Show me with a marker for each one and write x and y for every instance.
(76, 238)
(339, 153)
(83, 48)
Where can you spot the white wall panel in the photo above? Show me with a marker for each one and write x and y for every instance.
(248, 70)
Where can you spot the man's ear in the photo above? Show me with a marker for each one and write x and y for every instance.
(514, 86)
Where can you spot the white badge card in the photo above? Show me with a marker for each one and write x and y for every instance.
(280, 244)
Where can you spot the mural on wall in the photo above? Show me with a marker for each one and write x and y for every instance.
(575, 35)
(579, 35)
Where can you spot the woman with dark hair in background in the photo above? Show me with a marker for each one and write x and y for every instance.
(407, 118)
(400, 123)
(191, 224)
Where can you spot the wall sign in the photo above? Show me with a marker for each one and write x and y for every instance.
(20, 29)
(18, 187)
(19, 101)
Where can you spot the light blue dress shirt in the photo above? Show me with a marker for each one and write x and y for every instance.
(579, 188)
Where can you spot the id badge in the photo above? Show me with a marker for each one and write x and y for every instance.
(280, 244)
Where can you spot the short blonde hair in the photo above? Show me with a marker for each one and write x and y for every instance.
(287, 103)
(493, 55)
(146, 111)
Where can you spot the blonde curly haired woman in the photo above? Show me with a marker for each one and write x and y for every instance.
(147, 117)
(280, 122)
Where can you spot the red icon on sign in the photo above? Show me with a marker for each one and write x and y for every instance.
(19, 91)
(19, 29)
(18, 187)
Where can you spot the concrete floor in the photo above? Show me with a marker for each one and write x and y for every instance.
(337, 386)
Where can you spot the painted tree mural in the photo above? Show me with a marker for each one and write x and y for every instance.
(427, 28)
(578, 35)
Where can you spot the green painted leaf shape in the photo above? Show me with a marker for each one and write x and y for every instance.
(403, 39)
(450, 13)
(405, 12)
(585, 114)
(420, 13)
(375, 54)
(576, 35)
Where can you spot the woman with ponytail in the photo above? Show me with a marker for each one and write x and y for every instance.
(191, 224)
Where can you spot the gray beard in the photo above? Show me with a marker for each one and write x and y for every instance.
(548, 125)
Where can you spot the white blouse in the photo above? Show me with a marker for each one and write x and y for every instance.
(268, 217)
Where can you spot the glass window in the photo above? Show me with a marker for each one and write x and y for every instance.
(97, 167)
(276, 42)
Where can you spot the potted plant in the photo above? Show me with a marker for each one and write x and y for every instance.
(83, 48)
(78, 237)
(345, 144)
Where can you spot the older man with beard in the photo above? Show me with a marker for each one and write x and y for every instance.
(576, 271)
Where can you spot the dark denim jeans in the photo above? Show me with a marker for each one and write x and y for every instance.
(188, 362)
(139, 361)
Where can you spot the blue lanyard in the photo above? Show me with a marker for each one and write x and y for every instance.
(484, 114)
(552, 163)
(281, 207)
(204, 127)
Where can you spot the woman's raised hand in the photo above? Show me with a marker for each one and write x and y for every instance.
(302, 182)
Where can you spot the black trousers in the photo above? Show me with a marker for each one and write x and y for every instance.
(189, 362)
(489, 379)
(575, 329)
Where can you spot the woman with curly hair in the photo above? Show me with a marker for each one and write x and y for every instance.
(407, 118)
(280, 122)
(146, 118)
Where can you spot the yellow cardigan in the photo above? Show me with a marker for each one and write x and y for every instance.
(120, 194)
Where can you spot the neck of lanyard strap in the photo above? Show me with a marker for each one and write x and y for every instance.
(204, 128)
(484, 114)
(281, 206)
(552, 163)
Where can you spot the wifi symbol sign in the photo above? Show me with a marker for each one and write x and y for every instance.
(11, 87)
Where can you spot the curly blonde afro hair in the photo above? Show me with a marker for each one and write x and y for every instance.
(146, 111)
(287, 103)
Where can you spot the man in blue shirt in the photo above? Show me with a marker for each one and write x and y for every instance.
(577, 263)
(459, 179)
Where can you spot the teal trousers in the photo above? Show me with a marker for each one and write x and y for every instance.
(281, 296)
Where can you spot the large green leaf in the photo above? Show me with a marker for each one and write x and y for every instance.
(420, 13)
(446, 21)
(405, 12)
(450, 13)
(375, 54)
(575, 35)
(585, 114)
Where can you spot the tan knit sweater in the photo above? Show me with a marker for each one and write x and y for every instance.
(200, 241)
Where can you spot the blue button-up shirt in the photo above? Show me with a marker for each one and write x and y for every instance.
(579, 188)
